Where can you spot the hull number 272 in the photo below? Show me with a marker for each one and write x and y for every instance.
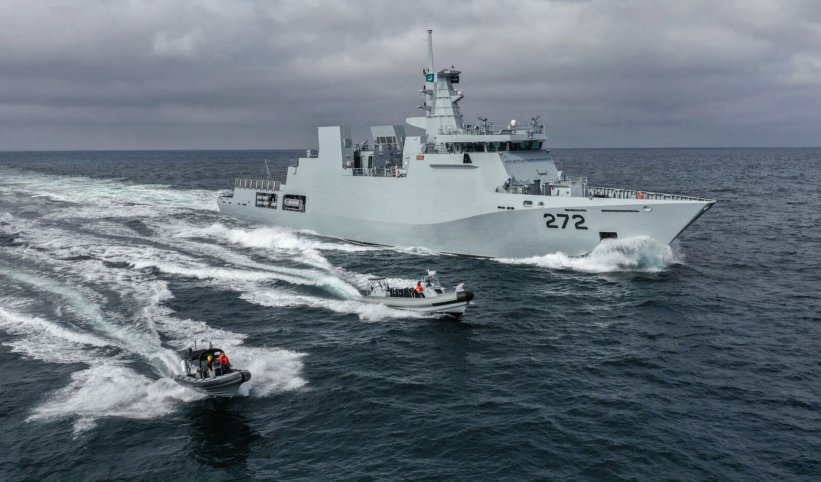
(559, 221)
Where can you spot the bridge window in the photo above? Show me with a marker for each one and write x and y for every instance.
(493, 146)
(523, 146)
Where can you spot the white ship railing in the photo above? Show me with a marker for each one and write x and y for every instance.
(544, 189)
(378, 172)
(618, 193)
(489, 130)
(258, 184)
(566, 181)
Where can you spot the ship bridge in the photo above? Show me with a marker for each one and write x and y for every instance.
(445, 130)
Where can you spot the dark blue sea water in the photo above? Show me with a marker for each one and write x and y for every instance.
(698, 361)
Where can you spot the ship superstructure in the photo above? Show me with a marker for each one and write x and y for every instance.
(480, 189)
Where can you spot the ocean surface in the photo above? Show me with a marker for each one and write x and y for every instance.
(701, 360)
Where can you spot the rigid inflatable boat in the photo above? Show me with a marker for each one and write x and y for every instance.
(431, 298)
(212, 378)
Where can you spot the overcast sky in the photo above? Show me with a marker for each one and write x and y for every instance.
(164, 74)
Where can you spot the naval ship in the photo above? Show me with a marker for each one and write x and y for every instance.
(472, 189)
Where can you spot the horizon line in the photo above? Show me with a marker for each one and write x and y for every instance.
(222, 149)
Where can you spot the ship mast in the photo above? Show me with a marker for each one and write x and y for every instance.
(430, 78)
(441, 99)
(430, 50)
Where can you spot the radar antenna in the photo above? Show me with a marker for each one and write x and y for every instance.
(485, 125)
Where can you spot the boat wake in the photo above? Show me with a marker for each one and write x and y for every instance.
(85, 278)
(111, 389)
(640, 253)
(365, 311)
(127, 355)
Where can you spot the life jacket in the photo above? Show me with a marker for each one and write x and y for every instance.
(223, 359)
(419, 288)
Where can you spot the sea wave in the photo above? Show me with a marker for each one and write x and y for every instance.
(640, 253)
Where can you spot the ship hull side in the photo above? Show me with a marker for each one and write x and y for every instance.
(503, 233)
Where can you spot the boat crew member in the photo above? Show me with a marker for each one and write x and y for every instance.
(223, 359)
(420, 292)
(208, 362)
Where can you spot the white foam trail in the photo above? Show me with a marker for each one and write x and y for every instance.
(47, 340)
(171, 261)
(81, 267)
(108, 193)
(287, 241)
(203, 272)
(365, 311)
(282, 241)
(271, 370)
(640, 253)
(112, 390)
(120, 334)
(309, 277)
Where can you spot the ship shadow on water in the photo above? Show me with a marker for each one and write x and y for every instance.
(220, 434)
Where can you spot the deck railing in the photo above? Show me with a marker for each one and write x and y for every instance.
(259, 184)
(566, 180)
(489, 130)
(377, 172)
(617, 193)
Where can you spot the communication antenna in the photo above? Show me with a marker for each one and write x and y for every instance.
(430, 51)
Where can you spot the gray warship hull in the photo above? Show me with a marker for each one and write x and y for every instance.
(465, 189)
(487, 224)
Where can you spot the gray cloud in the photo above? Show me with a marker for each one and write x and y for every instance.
(78, 74)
